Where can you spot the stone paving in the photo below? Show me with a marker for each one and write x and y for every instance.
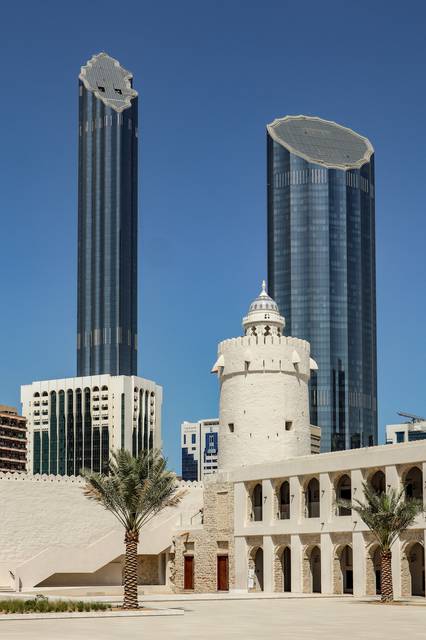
(254, 619)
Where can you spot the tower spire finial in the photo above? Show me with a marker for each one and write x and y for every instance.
(264, 287)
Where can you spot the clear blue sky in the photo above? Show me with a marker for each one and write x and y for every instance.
(211, 75)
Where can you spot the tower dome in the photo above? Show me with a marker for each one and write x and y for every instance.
(263, 318)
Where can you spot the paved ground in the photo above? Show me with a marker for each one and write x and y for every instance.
(292, 619)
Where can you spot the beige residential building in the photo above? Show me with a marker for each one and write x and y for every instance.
(13, 440)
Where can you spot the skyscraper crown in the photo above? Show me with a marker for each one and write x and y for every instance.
(109, 81)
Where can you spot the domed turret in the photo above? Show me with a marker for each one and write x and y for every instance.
(264, 402)
(263, 318)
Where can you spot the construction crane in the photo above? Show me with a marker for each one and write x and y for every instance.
(413, 418)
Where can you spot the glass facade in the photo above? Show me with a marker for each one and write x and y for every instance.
(189, 466)
(321, 272)
(107, 221)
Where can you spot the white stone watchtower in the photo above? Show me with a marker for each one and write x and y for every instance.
(264, 402)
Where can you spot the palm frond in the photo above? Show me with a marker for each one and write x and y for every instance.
(386, 514)
(136, 489)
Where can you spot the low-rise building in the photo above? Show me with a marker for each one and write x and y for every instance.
(73, 423)
(13, 440)
(414, 429)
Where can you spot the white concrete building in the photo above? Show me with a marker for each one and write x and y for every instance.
(75, 422)
(199, 445)
(411, 431)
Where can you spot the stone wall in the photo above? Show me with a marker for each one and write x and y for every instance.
(40, 511)
(214, 537)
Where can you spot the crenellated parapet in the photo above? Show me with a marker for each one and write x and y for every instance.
(40, 478)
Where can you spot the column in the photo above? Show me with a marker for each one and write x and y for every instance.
(392, 478)
(296, 506)
(240, 506)
(393, 482)
(268, 514)
(268, 564)
(326, 497)
(241, 564)
(167, 568)
(357, 480)
(359, 563)
(326, 563)
(396, 568)
(296, 564)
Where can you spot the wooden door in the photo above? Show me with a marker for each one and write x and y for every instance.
(222, 573)
(188, 575)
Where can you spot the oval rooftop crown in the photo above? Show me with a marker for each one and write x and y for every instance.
(321, 141)
(109, 81)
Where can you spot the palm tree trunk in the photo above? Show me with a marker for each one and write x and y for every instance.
(130, 572)
(386, 577)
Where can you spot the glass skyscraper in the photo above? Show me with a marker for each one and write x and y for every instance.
(107, 219)
(321, 267)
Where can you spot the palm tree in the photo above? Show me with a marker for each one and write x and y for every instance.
(135, 490)
(387, 515)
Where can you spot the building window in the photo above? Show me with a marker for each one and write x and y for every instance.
(87, 436)
(36, 452)
(344, 492)
(288, 425)
(231, 427)
(312, 499)
(257, 503)
(378, 482)
(78, 432)
(70, 433)
(193, 438)
(123, 421)
(284, 512)
(105, 450)
(400, 436)
(53, 435)
(61, 434)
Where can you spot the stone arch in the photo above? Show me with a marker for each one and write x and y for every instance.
(284, 500)
(312, 569)
(286, 568)
(256, 567)
(413, 569)
(413, 483)
(343, 488)
(373, 570)
(282, 568)
(377, 481)
(312, 498)
(257, 502)
(343, 569)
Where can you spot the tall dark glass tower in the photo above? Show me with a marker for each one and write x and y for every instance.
(107, 219)
(321, 267)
